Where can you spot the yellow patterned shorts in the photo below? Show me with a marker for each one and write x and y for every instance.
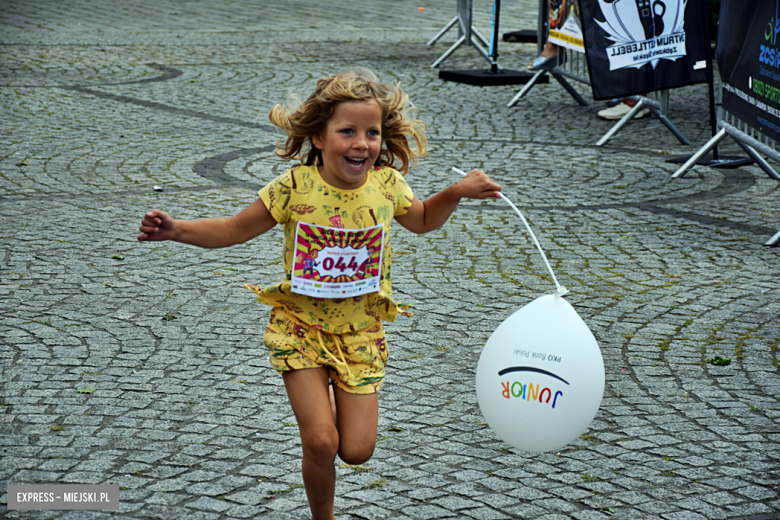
(355, 360)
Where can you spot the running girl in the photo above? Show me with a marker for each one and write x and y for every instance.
(352, 139)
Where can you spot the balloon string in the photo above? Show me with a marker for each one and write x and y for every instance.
(560, 289)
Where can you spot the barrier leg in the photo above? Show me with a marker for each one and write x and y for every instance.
(441, 33)
(571, 90)
(673, 129)
(760, 160)
(528, 86)
(446, 55)
(558, 76)
(620, 124)
(480, 37)
(774, 241)
(712, 143)
(482, 51)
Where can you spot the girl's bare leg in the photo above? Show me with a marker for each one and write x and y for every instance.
(357, 423)
(350, 433)
(309, 396)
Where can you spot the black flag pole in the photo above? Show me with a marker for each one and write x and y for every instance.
(494, 38)
(710, 78)
(495, 75)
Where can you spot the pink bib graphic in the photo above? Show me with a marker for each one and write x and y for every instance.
(337, 263)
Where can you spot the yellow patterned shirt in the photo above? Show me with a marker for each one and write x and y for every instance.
(300, 195)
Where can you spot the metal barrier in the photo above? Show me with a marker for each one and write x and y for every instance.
(574, 66)
(750, 140)
(467, 34)
(658, 107)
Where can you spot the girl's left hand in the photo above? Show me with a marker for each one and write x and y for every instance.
(477, 185)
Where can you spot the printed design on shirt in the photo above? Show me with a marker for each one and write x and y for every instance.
(336, 216)
(279, 197)
(302, 183)
(291, 306)
(303, 209)
(364, 216)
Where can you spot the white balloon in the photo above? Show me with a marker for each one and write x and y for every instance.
(540, 377)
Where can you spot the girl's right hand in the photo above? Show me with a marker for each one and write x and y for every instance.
(156, 225)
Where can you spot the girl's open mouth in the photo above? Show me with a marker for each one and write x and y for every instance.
(356, 162)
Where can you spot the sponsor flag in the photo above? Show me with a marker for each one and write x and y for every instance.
(749, 63)
(639, 46)
(565, 25)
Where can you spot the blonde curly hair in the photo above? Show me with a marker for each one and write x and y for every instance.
(310, 117)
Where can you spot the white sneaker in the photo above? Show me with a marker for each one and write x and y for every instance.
(620, 110)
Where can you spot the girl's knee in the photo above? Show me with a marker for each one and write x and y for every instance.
(322, 445)
(355, 455)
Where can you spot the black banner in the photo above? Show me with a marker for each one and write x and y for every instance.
(640, 46)
(749, 62)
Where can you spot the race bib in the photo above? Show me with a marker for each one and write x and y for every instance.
(337, 263)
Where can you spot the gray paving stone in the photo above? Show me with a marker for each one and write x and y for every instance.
(425, 512)
(454, 503)
(485, 513)
(103, 100)
(372, 511)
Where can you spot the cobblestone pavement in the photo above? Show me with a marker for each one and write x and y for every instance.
(104, 100)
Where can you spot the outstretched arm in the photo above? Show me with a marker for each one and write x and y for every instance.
(434, 211)
(208, 232)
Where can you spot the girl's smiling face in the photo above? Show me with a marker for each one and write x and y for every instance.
(350, 143)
